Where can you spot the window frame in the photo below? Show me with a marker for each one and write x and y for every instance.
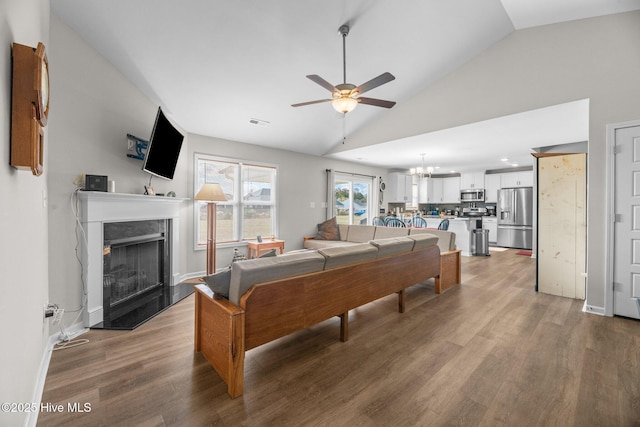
(238, 204)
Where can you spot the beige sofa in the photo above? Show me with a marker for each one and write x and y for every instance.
(354, 234)
(450, 267)
(273, 297)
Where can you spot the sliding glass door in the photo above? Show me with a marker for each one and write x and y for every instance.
(353, 199)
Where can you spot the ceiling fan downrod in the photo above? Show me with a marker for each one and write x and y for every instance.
(344, 32)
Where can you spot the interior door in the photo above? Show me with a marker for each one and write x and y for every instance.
(626, 268)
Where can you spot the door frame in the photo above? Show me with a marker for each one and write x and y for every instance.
(610, 192)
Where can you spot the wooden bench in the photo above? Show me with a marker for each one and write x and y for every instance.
(225, 331)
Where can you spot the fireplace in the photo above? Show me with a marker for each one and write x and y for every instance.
(135, 272)
(130, 263)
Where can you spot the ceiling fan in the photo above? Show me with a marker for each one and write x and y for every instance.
(346, 96)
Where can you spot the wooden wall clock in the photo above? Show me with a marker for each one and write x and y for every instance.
(29, 107)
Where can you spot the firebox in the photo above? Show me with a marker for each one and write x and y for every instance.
(136, 272)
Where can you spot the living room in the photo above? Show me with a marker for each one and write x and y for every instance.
(93, 107)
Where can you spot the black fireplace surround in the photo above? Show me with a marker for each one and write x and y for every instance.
(136, 272)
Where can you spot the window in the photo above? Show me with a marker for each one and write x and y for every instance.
(353, 201)
(250, 209)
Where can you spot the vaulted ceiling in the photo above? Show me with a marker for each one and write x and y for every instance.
(216, 66)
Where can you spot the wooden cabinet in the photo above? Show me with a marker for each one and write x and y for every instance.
(516, 179)
(472, 180)
(399, 187)
(491, 187)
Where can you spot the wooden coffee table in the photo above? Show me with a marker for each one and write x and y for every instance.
(257, 248)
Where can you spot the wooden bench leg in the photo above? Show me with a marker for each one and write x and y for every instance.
(401, 301)
(344, 327)
(450, 270)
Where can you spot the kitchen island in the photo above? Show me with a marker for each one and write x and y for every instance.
(462, 227)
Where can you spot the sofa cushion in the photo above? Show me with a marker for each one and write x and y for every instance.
(219, 282)
(344, 231)
(319, 244)
(328, 230)
(393, 245)
(245, 274)
(446, 239)
(387, 232)
(337, 256)
(423, 240)
(360, 233)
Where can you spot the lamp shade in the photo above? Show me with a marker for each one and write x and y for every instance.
(210, 192)
(344, 104)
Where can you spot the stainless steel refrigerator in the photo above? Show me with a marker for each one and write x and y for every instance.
(515, 217)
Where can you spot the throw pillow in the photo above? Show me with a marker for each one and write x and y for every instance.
(219, 282)
(328, 230)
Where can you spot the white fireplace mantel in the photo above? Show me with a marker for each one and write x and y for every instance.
(98, 208)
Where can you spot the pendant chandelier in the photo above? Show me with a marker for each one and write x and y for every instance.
(420, 171)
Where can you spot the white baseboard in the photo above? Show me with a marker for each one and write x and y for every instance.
(73, 331)
(593, 309)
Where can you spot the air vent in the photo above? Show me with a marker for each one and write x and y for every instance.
(259, 122)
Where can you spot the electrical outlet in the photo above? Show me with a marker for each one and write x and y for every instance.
(57, 315)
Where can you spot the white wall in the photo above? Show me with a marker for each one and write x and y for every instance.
(93, 107)
(23, 227)
(593, 58)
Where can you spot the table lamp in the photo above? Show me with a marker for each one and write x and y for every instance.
(211, 193)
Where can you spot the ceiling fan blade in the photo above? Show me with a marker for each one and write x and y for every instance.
(301, 104)
(322, 82)
(375, 82)
(376, 102)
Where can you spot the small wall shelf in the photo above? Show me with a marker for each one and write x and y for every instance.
(139, 145)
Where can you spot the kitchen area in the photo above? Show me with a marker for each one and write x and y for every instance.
(484, 208)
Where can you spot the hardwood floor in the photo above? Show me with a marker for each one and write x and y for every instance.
(491, 352)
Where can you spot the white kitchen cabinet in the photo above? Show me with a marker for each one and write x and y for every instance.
(491, 187)
(451, 190)
(516, 179)
(435, 195)
(399, 187)
(425, 188)
(491, 223)
(444, 190)
(471, 180)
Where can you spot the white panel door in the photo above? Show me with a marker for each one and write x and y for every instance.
(626, 264)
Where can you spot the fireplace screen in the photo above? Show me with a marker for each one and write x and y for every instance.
(136, 272)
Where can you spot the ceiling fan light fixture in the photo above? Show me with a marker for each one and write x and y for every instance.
(344, 104)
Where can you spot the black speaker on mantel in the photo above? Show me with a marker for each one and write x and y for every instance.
(95, 182)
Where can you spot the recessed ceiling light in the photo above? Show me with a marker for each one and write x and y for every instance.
(504, 159)
(514, 164)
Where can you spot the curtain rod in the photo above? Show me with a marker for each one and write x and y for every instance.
(352, 174)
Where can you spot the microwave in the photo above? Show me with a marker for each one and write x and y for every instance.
(472, 195)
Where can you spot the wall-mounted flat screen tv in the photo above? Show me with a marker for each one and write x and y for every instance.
(163, 149)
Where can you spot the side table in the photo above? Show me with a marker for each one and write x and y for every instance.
(255, 248)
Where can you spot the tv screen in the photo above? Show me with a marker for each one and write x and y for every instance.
(163, 149)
